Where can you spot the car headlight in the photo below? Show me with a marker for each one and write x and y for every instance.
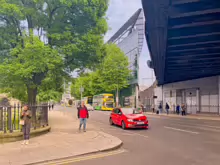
(130, 120)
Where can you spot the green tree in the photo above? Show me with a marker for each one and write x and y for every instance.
(111, 75)
(30, 64)
(72, 28)
(114, 71)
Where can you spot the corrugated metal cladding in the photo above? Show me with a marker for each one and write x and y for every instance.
(183, 38)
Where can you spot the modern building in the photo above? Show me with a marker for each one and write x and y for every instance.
(130, 39)
(183, 37)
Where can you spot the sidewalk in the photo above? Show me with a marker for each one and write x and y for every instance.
(198, 117)
(63, 141)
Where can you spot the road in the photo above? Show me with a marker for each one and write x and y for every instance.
(171, 141)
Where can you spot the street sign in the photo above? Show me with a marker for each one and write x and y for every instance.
(81, 89)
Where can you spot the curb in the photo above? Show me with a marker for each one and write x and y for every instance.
(186, 117)
(47, 162)
(16, 136)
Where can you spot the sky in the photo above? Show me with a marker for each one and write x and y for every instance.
(118, 13)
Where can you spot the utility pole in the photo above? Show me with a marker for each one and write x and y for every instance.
(81, 91)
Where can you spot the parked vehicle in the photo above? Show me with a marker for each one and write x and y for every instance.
(103, 102)
(128, 118)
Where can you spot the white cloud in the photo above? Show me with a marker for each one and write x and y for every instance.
(119, 12)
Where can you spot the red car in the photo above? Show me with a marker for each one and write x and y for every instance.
(128, 118)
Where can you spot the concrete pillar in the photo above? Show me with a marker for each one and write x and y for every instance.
(198, 100)
(219, 95)
(136, 94)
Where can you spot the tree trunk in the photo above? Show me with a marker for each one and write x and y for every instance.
(32, 95)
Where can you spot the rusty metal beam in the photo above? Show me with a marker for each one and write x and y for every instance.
(194, 24)
(192, 56)
(186, 50)
(179, 2)
(192, 44)
(194, 36)
(175, 13)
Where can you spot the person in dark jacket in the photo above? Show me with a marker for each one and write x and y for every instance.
(167, 107)
(83, 115)
(178, 109)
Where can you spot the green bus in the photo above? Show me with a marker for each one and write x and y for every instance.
(103, 102)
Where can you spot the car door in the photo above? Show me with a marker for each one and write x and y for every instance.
(114, 116)
(117, 116)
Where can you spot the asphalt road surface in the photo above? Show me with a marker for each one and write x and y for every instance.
(169, 141)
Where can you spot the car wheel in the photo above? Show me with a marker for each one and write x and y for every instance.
(111, 122)
(123, 125)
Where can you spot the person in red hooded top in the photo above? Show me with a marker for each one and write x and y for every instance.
(83, 115)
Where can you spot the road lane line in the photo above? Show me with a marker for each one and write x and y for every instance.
(200, 127)
(181, 130)
(84, 158)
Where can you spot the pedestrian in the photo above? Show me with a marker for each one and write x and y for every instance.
(25, 121)
(159, 111)
(178, 109)
(52, 106)
(167, 107)
(153, 108)
(183, 109)
(83, 115)
(142, 108)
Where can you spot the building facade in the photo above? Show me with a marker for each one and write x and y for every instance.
(200, 95)
(129, 39)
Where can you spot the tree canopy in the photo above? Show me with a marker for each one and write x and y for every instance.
(43, 38)
(111, 74)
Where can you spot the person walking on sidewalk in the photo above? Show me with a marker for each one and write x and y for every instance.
(183, 109)
(83, 115)
(167, 107)
(26, 125)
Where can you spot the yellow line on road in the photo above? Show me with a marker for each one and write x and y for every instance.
(84, 158)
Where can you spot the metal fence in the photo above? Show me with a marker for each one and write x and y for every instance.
(10, 117)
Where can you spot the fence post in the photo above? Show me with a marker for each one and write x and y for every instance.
(33, 111)
(5, 119)
(19, 113)
(46, 115)
(1, 118)
(9, 119)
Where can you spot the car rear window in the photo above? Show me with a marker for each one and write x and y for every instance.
(127, 111)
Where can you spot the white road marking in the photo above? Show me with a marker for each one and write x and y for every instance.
(201, 127)
(182, 130)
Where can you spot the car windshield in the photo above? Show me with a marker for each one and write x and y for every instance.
(128, 111)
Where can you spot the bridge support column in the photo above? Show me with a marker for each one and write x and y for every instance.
(219, 95)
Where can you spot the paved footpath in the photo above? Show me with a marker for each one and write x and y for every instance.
(63, 141)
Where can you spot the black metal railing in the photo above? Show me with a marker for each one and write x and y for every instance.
(10, 117)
